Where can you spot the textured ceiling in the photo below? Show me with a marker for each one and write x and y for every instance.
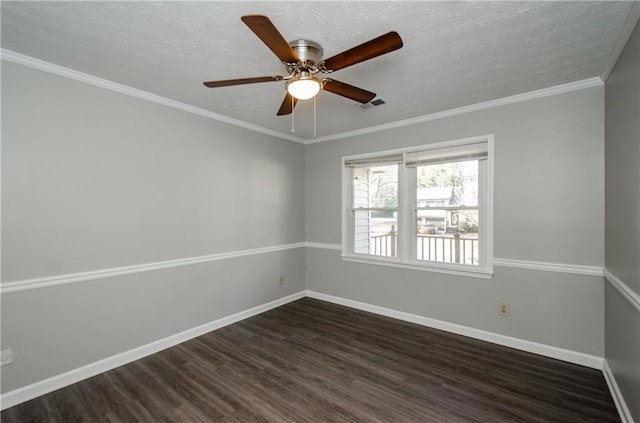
(455, 53)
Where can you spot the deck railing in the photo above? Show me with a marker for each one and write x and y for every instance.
(448, 248)
(453, 248)
(385, 244)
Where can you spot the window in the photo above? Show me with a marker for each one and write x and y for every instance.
(427, 207)
(375, 210)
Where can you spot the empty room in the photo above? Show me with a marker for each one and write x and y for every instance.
(331, 211)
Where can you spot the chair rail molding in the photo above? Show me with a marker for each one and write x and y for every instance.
(49, 281)
(626, 292)
(576, 269)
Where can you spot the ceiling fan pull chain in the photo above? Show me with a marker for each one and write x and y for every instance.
(293, 116)
(314, 117)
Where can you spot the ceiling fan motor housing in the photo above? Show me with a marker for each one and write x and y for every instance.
(309, 52)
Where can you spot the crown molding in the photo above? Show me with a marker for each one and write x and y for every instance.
(627, 28)
(51, 68)
(545, 92)
(41, 65)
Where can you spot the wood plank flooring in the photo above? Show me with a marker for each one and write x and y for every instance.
(312, 361)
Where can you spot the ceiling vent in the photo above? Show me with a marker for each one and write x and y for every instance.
(371, 104)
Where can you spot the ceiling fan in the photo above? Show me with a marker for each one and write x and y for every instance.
(302, 60)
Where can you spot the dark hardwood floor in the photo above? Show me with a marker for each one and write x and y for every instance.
(312, 361)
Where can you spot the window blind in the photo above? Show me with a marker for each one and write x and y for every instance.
(458, 153)
(391, 159)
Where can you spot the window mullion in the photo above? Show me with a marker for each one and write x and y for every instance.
(347, 205)
(407, 225)
(482, 210)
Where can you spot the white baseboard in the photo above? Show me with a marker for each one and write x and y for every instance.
(618, 399)
(519, 344)
(43, 387)
(37, 389)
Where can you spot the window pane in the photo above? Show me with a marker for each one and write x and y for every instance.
(384, 236)
(447, 234)
(375, 187)
(448, 184)
(458, 244)
(376, 236)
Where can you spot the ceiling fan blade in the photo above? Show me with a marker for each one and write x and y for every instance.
(349, 91)
(287, 105)
(269, 34)
(378, 46)
(242, 81)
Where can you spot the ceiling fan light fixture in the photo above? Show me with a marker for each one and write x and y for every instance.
(304, 86)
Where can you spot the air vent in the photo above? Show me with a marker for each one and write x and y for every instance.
(374, 103)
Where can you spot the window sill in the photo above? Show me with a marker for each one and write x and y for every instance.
(450, 270)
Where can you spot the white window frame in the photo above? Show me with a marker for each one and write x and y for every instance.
(406, 203)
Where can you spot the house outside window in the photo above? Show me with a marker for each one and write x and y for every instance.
(427, 207)
(375, 210)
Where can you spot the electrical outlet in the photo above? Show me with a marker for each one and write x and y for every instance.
(6, 357)
(281, 280)
(504, 309)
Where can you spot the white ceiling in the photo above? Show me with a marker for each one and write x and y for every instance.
(455, 53)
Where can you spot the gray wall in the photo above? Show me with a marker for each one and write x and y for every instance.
(622, 227)
(93, 179)
(549, 207)
(134, 181)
